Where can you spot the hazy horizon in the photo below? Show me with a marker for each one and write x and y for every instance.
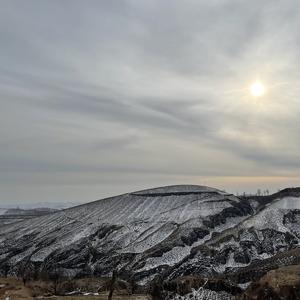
(101, 98)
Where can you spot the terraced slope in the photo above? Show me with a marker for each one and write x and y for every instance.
(142, 233)
(267, 239)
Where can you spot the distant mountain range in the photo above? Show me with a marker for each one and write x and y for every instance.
(12, 215)
(173, 231)
(34, 205)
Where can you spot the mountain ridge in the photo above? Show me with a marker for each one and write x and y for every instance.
(174, 231)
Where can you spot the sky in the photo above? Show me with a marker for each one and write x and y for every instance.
(99, 98)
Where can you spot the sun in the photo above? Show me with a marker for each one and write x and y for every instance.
(257, 89)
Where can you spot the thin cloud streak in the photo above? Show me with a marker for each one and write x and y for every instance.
(141, 93)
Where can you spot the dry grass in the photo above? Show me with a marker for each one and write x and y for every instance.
(15, 289)
(282, 283)
(289, 275)
(103, 297)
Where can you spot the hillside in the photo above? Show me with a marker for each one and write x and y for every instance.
(282, 283)
(173, 231)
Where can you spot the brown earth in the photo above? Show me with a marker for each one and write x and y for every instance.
(15, 290)
(282, 283)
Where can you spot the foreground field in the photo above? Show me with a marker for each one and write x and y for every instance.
(103, 297)
(15, 290)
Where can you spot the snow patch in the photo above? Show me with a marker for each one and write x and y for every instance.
(287, 203)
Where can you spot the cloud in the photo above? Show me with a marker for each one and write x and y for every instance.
(141, 93)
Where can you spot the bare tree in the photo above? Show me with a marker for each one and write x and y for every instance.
(55, 278)
(26, 270)
(112, 284)
(157, 289)
(132, 285)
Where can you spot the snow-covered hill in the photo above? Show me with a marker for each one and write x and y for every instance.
(255, 241)
(2, 211)
(142, 231)
(173, 231)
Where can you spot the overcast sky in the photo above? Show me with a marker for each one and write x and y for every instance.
(104, 97)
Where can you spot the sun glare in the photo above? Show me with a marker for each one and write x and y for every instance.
(257, 89)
